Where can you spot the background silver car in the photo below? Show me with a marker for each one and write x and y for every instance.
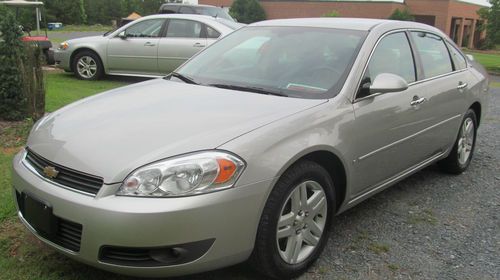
(151, 46)
(250, 149)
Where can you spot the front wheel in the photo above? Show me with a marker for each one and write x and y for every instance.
(88, 66)
(294, 226)
(461, 154)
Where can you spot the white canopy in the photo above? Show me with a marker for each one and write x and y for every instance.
(21, 3)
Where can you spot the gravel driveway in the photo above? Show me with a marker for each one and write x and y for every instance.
(429, 226)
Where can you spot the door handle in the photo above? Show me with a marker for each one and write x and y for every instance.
(462, 85)
(417, 101)
(198, 45)
(149, 44)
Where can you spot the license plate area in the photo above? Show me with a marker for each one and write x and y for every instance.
(39, 215)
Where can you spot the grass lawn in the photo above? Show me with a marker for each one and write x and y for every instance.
(22, 256)
(491, 61)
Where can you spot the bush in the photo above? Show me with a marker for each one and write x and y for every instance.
(492, 18)
(404, 15)
(247, 11)
(22, 94)
(332, 14)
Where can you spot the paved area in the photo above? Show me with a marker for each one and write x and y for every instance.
(429, 226)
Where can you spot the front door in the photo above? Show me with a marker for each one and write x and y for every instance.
(137, 51)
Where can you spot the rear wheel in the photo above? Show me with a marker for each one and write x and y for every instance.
(461, 154)
(88, 66)
(294, 226)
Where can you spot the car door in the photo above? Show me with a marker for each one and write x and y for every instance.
(135, 51)
(443, 85)
(184, 38)
(387, 125)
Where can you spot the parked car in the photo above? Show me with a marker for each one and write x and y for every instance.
(151, 46)
(250, 149)
(207, 10)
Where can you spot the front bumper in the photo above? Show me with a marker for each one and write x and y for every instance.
(62, 59)
(229, 217)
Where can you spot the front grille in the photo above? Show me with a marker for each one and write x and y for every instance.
(67, 177)
(127, 256)
(67, 234)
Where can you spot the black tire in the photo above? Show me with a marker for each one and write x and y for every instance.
(99, 72)
(453, 164)
(266, 254)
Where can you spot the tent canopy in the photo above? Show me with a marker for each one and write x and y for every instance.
(21, 3)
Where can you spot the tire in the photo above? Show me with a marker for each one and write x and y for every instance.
(271, 255)
(88, 66)
(461, 155)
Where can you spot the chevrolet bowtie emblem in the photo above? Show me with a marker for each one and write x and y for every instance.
(50, 171)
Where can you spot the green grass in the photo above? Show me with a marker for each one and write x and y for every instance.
(22, 256)
(491, 61)
(64, 88)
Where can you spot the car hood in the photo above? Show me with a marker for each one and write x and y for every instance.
(113, 133)
(87, 39)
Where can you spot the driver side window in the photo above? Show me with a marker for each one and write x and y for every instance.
(393, 55)
(145, 29)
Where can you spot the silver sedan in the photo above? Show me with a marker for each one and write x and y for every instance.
(151, 46)
(250, 149)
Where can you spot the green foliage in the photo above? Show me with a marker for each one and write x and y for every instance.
(104, 11)
(404, 15)
(492, 26)
(12, 100)
(332, 13)
(247, 11)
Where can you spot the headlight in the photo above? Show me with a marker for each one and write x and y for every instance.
(197, 173)
(63, 45)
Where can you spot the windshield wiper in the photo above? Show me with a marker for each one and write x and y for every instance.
(250, 89)
(185, 79)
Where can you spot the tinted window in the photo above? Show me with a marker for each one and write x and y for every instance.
(147, 28)
(186, 10)
(296, 61)
(433, 53)
(457, 57)
(179, 28)
(392, 55)
(212, 33)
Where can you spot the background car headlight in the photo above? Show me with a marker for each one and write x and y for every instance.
(63, 45)
(185, 175)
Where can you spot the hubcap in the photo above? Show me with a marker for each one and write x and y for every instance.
(302, 222)
(466, 141)
(87, 67)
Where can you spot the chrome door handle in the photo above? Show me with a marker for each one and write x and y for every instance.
(198, 45)
(149, 44)
(462, 85)
(417, 101)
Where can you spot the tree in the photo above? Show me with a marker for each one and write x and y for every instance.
(247, 11)
(404, 15)
(492, 26)
(332, 13)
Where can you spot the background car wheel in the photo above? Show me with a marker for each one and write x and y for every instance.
(88, 66)
(294, 226)
(461, 154)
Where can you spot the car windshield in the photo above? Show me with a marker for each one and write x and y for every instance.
(213, 11)
(304, 62)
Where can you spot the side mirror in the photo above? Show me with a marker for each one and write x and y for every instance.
(387, 82)
(122, 35)
(470, 57)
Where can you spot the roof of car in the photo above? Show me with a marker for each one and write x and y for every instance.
(189, 5)
(340, 23)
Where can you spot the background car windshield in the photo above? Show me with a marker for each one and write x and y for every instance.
(297, 61)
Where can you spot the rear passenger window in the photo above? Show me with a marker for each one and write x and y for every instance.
(457, 57)
(433, 53)
(180, 28)
(212, 33)
(393, 55)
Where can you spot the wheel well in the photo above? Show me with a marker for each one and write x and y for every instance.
(477, 109)
(335, 168)
(72, 58)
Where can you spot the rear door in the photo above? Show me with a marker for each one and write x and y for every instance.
(184, 38)
(138, 52)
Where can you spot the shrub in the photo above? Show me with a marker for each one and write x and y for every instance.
(404, 15)
(22, 93)
(247, 11)
(492, 18)
(332, 13)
